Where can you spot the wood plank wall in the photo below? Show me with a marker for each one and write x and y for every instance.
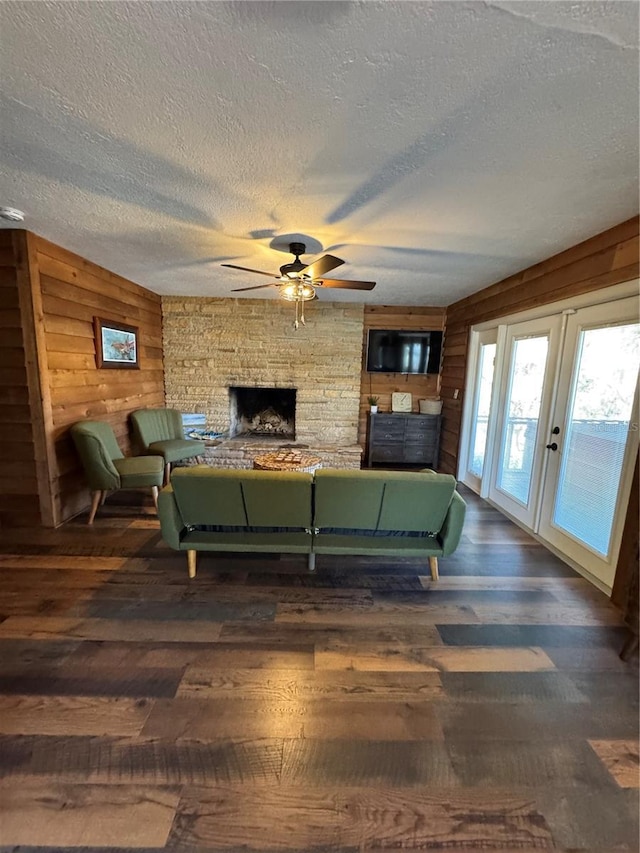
(68, 292)
(383, 385)
(604, 260)
(19, 497)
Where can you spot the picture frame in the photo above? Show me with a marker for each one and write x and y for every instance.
(117, 344)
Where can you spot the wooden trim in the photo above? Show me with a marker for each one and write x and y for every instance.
(28, 279)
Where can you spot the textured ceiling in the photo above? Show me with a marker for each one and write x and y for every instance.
(435, 147)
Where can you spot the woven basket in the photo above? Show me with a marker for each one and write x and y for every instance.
(430, 407)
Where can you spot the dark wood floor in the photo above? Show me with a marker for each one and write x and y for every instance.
(260, 708)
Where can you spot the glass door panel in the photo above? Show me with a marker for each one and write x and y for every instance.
(477, 433)
(531, 350)
(528, 366)
(486, 363)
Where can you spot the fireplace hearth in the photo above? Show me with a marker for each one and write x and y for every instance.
(262, 412)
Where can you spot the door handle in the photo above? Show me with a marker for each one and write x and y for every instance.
(555, 431)
(552, 446)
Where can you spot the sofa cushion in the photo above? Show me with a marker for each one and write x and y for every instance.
(136, 471)
(348, 498)
(419, 501)
(175, 449)
(208, 496)
(237, 498)
(382, 500)
(277, 498)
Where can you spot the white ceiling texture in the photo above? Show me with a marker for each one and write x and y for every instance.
(436, 147)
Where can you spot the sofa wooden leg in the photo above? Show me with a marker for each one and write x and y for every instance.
(312, 562)
(191, 562)
(167, 473)
(95, 502)
(433, 565)
(154, 492)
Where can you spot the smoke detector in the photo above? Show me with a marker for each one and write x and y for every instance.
(11, 214)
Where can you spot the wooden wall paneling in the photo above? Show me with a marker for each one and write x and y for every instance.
(48, 374)
(607, 259)
(73, 291)
(384, 384)
(74, 300)
(510, 293)
(66, 266)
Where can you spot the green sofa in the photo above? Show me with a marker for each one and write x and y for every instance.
(411, 514)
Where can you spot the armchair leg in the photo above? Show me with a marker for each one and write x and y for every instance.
(95, 502)
(191, 563)
(167, 473)
(154, 492)
(433, 565)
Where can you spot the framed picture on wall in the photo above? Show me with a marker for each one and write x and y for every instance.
(116, 344)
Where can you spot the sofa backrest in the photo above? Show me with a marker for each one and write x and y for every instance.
(239, 498)
(151, 425)
(382, 500)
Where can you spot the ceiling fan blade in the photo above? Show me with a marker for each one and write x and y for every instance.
(248, 269)
(324, 264)
(257, 287)
(347, 285)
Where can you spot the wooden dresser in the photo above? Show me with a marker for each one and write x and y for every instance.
(403, 439)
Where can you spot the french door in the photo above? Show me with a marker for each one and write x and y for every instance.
(594, 437)
(562, 429)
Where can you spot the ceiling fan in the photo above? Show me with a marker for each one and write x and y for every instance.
(298, 281)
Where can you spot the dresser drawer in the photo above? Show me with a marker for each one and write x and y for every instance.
(387, 453)
(423, 422)
(388, 422)
(424, 435)
(388, 429)
(418, 453)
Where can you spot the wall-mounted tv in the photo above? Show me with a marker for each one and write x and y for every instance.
(395, 351)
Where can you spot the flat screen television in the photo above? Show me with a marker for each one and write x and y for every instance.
(396, 351)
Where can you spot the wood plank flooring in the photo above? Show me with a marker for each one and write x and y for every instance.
(259, 708)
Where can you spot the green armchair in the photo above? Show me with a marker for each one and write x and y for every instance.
(160, 432)
(106, 469)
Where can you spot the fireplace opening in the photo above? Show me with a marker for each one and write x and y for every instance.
(262, 412)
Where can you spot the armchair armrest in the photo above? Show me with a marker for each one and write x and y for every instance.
(451, 530)
(171, 523)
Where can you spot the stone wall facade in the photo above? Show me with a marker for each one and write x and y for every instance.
(212, 344)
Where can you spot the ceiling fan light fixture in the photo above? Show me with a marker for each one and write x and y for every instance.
(297, 281)
(297, 291)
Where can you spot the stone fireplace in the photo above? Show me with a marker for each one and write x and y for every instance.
(262, 412)
(214, 345)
